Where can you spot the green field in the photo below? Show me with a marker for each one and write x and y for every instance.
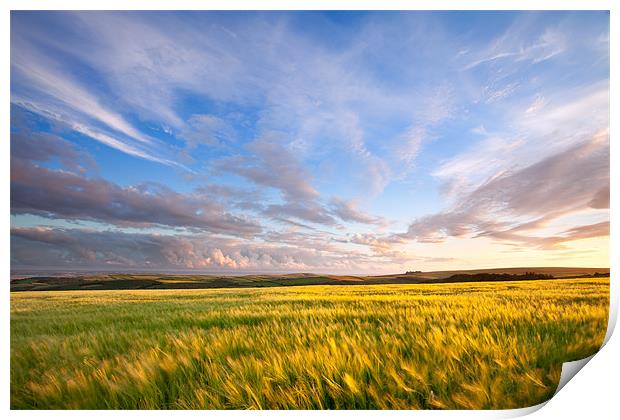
(126, 281)
(460, 345)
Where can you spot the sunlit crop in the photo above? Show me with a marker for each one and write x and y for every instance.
(464, 345)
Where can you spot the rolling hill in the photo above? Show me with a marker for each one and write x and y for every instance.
(123, 281)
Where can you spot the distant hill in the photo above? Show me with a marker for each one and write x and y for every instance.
(162, 281)
(554, 271)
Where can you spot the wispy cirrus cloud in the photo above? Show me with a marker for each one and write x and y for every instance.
(440, 105)
(41, 76)
(42, 86)
(75, 124)
(510, 46)
(570, 117)
(319, 97)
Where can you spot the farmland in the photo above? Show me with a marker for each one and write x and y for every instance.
(126, 281)
(386, 346)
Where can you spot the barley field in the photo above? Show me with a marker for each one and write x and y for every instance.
(438, 346)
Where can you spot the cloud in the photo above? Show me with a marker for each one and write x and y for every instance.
(60, 194)
(489, 59)
(117, 250)
(76, 248)
(555, 242)
(43, 147)
(438, 107)
(242, 198)
(494, 94)
(271, 165)
(412, 142)
(381, 245)
(347, 211)
(527, 55)
(587, 231)
(310, 211)
(600, 199)
(391, 248)
(546, 46)
(570, 117)
(571, 113)
(41, 75)
(44, 86)
(208, 130)
(570, 181)
(73, 123)
(537, 105)
(319, 96)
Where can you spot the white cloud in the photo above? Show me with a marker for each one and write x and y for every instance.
(207, 129)
(107, 249)
(93, 133)
(510, 46)
(569, 118)
(51, 84)
(348, 211)
(537, 105)
(528, 199)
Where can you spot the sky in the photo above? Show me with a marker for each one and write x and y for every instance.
(327, 142)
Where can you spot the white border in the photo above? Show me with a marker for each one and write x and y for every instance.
(593, 393)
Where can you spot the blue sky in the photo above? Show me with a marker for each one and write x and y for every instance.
(364, 142)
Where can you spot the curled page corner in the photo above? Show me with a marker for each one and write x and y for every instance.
(520, 412)
(613, 313)
(569, 370)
